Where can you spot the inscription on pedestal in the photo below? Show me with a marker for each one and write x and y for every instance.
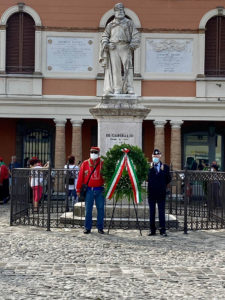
(118, 139)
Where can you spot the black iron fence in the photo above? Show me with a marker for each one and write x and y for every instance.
(195, 200)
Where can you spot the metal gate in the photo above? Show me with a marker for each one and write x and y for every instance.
(195, 200)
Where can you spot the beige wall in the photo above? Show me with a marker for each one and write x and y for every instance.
(168, 88)
(69, 87)
(88, 88)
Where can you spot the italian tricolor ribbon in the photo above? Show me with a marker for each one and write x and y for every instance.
(125, 161)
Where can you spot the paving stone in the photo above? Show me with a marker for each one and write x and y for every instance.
(66, 264)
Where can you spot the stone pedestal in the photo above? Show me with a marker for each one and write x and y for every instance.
(120, 120)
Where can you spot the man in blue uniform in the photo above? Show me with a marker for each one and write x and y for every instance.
(158, 179)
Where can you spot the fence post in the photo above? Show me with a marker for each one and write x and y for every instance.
(185, 200)
(11, 198)
(49, 198)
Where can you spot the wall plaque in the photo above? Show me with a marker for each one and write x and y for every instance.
(169, 55)
(66, 54)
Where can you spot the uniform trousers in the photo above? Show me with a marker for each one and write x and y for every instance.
(161, 211)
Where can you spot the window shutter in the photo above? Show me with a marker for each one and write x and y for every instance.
(28, 44)
(222, 47)
(20, 44)
(12, 44)
(215, 47)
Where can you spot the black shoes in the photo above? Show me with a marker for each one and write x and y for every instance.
(87, 231)
(151, 233)
(163, 234)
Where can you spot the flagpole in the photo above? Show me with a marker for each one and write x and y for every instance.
(137, 217)
(110, 223)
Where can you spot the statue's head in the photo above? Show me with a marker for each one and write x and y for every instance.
(119, 11)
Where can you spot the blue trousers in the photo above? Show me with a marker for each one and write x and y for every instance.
(97, 195)
(73, 195)
(161, 210)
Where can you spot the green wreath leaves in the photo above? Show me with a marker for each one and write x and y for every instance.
(124, 188)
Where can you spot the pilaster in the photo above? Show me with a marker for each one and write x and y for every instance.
(175, 156)
(77, 139)
(60, 143)
(160, 137)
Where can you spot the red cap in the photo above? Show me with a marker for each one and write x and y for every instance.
(1, 159)
(95, 149)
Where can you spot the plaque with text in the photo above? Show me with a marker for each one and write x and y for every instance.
(118, 139)
(66, 54)
(169, 55)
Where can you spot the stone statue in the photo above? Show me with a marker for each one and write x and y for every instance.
(118, 42)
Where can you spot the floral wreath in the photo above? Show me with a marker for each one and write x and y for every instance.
(124, 170)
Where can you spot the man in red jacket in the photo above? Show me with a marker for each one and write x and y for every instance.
(95, 190)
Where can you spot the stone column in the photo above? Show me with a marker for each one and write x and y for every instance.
(175, 144)
(77, 139)
(160, 137)
(60, 148)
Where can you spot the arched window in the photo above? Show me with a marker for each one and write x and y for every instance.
(215, 47)
(20, 43)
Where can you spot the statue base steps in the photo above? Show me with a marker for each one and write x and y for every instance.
(123, 217)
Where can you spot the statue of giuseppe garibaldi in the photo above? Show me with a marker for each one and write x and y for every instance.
(118, 42)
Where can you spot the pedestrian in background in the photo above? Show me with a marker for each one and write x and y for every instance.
(13, 165)
(214, 188)
(158, 180)
(72, 179)
(90, 172)
(4, 182)
(36, 181)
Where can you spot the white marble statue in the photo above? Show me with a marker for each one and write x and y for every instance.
(118, 42)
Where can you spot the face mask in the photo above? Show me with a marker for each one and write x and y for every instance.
(155, 160)
(94, 156)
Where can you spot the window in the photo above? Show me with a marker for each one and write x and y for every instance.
(215, 47)
(20, 43)
(202, 148)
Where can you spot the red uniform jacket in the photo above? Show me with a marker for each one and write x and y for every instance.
(86, 168)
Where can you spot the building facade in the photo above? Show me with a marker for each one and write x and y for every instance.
(50, 78)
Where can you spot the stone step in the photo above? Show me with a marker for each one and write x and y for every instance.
(124, 217)
(124, 211)
(70, 218)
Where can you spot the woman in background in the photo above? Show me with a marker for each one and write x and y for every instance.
(71, 181)
(36, 181)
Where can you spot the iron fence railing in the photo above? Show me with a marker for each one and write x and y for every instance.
(195, 200)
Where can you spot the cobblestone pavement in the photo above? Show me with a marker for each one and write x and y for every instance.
(66, 264)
